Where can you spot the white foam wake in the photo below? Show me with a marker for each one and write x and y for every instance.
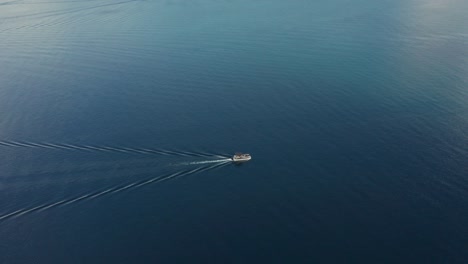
(225, 160)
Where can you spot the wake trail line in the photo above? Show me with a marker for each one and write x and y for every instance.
(89, 148)
(205, 162)
(112, 190)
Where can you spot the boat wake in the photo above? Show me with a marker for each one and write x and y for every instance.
(225, 160)
(108, 191)
(89, 148)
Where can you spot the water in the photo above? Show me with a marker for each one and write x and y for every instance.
(117, 117)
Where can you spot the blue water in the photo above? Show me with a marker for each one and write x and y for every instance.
(116, 119)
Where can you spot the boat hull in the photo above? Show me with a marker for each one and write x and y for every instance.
(241, 159)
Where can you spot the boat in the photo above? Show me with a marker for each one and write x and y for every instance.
(241, 157)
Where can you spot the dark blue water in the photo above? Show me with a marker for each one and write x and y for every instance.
(116, 118)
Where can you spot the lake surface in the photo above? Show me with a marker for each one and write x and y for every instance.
(117, 119)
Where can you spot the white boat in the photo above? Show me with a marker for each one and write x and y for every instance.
(240, 157)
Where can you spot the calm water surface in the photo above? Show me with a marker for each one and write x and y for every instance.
(117, 117)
